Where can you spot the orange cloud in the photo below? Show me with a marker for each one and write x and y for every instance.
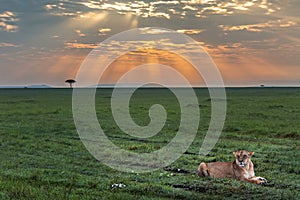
(75, 45)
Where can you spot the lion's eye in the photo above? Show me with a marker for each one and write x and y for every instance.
(245, 156)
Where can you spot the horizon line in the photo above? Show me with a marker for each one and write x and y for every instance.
(46, 86)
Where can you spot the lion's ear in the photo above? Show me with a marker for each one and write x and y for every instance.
(251, 153)
(235, 153)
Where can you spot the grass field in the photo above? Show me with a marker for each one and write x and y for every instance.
(42, 156)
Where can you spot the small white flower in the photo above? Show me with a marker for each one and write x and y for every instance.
(119, 185)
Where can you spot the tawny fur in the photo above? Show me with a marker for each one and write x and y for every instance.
(241, 169)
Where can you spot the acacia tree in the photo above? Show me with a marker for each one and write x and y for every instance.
(71, 82)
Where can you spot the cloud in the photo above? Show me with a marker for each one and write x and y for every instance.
(164, 2)
(61, 9)
(103, 31)
(158, 14)
(9, 15)
(167, 9)
(220, 7)
(190, 31)
(138, 8)
(8, 27)
(273, 24)
(153, 31)
(187, 7)
(49, 7)
(76, 45)
(4, 44)
(233, 31)
(7, 21)
(79, 33)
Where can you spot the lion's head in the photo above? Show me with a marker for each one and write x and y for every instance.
(242, 157)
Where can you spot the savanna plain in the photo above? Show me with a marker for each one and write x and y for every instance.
(42, 156)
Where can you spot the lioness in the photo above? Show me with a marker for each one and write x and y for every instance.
(241, 169)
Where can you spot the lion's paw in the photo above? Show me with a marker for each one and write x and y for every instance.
(262, 180)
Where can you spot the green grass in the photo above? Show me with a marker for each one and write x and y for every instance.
(42, 156)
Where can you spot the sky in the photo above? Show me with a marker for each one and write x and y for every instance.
(252, 42)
